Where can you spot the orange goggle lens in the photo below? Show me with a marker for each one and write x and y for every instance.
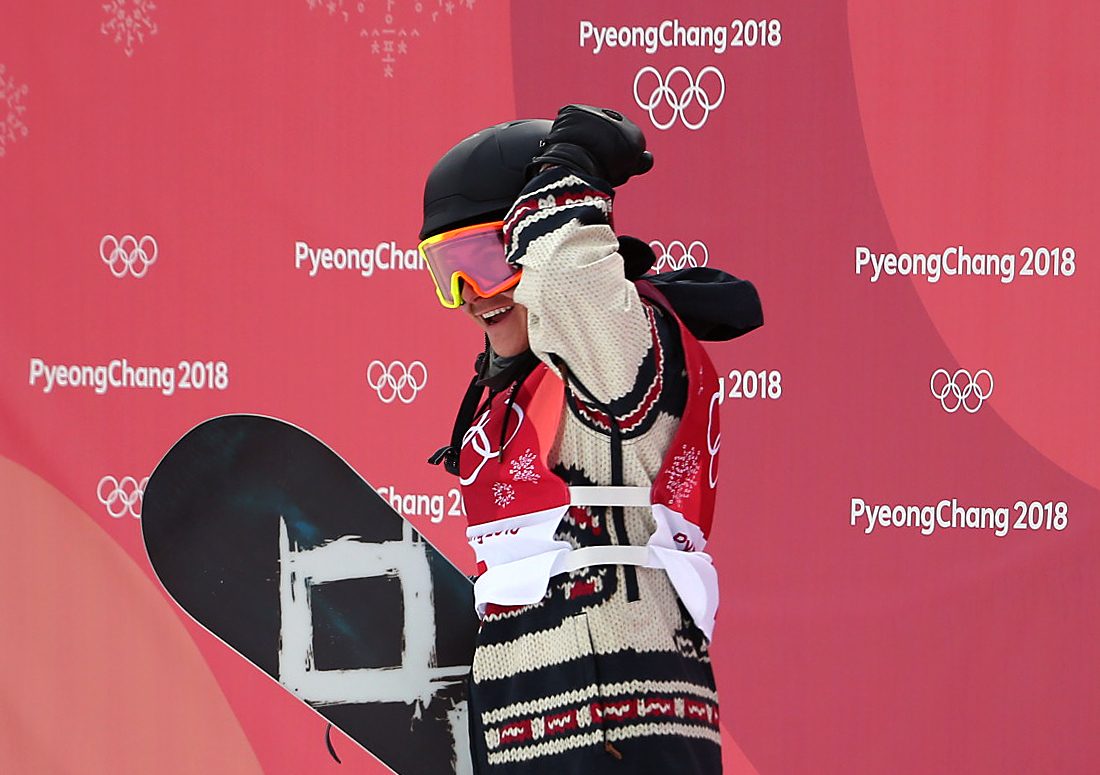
(473, 254)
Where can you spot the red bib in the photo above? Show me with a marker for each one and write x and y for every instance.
(514, 502)
(496, 486)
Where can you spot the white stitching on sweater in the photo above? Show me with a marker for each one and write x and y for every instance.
(546, 747)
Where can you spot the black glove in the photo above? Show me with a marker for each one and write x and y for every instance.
(594, 141)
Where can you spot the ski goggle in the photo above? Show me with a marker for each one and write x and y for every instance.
(474, 254)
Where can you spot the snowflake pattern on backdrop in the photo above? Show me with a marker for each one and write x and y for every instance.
(129, 21)
(683, 474)
(12, 95)
(523, 468)
(503, 494)
(391, 25)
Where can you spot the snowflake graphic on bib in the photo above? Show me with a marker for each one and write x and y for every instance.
(503, 494)
(683, 474)
(523, 468)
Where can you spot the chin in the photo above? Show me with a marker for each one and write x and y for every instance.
(507, 344)
(507, 350)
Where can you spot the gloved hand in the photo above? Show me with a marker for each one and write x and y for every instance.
(594, 141)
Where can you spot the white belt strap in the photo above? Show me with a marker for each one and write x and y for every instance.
(609, 496)
(567, 562)
(524, 581)
(522, 554)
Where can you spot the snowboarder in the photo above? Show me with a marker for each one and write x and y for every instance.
(586, 447)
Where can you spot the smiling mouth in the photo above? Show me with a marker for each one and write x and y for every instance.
(494, 316)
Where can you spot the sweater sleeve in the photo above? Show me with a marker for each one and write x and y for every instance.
(580, 306)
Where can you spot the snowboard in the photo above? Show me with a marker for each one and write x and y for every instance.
(272, 542)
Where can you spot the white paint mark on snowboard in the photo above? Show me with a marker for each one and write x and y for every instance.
(416, 679)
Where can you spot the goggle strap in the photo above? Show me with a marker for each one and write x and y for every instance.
(467, 410)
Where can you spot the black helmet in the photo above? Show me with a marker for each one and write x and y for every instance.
(480, 178)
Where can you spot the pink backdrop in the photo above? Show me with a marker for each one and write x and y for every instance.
(167, 170)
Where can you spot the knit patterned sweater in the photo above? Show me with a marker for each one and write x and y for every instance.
(607, 671)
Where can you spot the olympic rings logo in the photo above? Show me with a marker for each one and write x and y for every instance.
(677, 255)
(714, 444)
(693, 91)
(961, 389)
(128, 254)
(122, 496)
(396, 381)
(477, 439)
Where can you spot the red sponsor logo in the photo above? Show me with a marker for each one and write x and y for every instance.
(496, 534)
(683, 543)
